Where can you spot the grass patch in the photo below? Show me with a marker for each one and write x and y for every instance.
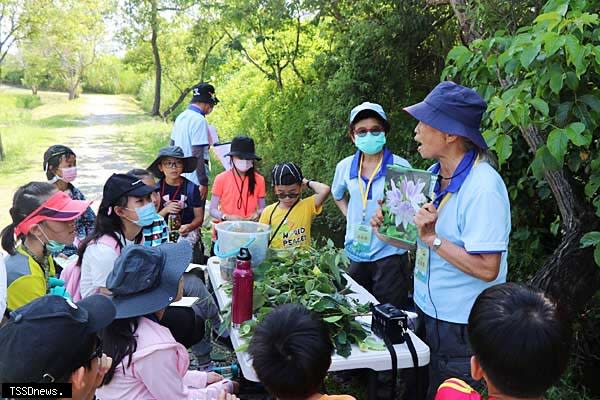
(28, 101)
(148, 135)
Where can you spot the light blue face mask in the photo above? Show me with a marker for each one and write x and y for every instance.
(52, 246)
(146, 215)
(370, 144)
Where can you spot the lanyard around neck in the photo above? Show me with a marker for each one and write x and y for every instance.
(282, 221)
(364, 194)
(448, 194)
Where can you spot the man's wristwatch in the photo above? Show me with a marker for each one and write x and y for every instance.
(223, 217)
(437, 242)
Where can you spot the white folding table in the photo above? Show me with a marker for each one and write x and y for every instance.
(371, 359)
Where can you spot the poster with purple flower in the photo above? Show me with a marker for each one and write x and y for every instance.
(406, 190)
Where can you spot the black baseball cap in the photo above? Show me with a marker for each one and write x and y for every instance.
(119, 185)
(286, 173)
(57, 150)
(204, 93)
(50, 337)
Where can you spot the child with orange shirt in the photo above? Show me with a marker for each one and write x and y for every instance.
(239, 193)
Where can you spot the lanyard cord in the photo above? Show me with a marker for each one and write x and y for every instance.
(162, 192)
(447, 195)
(364, 195)
(282, 221)
(240, 200)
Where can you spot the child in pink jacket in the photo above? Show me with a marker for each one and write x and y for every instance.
(147, 361)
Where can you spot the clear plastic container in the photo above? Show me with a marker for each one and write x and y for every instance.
(233, 235)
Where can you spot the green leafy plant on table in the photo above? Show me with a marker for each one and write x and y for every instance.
(313, 278)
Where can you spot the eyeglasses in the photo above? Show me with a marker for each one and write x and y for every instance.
(173, 164)
(97, 351)
(375, 132)
(282, 196)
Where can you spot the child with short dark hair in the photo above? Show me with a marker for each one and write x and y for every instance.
(520, 345)
(292, 216)
(291, 353)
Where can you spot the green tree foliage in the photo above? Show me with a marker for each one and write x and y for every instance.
(67, 45)
(383, 51)
(542, 88)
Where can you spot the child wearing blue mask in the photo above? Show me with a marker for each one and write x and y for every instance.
(180, 199)
(125, 209)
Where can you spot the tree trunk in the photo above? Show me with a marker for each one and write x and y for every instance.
(1, 149)
(156, 55)
(468, 31)
(570, 275)
(34, 90)
(73, 93)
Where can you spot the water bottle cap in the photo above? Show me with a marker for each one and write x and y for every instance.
(244, 255)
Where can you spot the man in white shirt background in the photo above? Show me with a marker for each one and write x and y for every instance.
(191, 132)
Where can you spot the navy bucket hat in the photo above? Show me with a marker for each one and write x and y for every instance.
(453, 109)
(145, 279)
(189, 163)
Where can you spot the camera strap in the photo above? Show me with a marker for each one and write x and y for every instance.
(415, 360)
(390, 347)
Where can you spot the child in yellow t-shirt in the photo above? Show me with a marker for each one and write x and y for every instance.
(291, 217)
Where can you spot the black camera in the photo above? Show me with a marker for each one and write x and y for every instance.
(390, 322)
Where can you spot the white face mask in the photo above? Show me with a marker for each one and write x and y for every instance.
(243, 165)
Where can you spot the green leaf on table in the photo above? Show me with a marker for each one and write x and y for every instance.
(333, 318)
(597, 255)
(375, 344)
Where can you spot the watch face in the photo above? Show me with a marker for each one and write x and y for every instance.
(437, 242)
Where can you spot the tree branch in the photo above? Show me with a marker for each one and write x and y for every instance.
(249, 58)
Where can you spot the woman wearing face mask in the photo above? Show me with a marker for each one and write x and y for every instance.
(43, 221)
(60, 165)
(239, 194)
(357, 186)
(125, 209)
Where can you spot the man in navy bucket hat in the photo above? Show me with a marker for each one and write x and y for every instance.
(463, 233)
(453, 109)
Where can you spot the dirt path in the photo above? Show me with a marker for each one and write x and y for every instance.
(98, 145)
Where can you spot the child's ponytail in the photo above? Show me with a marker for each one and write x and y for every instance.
(26, 199)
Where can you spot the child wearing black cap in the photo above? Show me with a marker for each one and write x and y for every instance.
(53, 340)
(291, 217)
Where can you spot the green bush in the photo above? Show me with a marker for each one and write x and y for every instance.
(28, 101)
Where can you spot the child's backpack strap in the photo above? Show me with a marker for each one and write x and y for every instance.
(190, 188)
(71, 274)
(110, 241)
(456, 389)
